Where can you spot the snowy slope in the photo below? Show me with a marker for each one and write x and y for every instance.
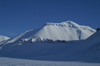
(57, 31)
(35, 50)
(2, 38)
(89, 50)
(91, 44)
(24, 62)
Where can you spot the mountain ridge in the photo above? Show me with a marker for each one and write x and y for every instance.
(57, 31)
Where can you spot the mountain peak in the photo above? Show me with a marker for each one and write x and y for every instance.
(63, 24)
(70, 24)
(69, 21)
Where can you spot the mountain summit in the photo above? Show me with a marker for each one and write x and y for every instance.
(67, 30)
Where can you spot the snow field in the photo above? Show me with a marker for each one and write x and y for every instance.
(4, 61)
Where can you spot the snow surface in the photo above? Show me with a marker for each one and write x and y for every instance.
(89, 50)
(91, 44)
(24, 62)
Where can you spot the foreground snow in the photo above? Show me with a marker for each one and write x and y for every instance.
(24, 62)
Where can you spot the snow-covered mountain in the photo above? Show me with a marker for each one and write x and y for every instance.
(2, 38)
(57, 31)
(56, 49)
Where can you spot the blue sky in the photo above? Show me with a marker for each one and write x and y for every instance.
(17, 16)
